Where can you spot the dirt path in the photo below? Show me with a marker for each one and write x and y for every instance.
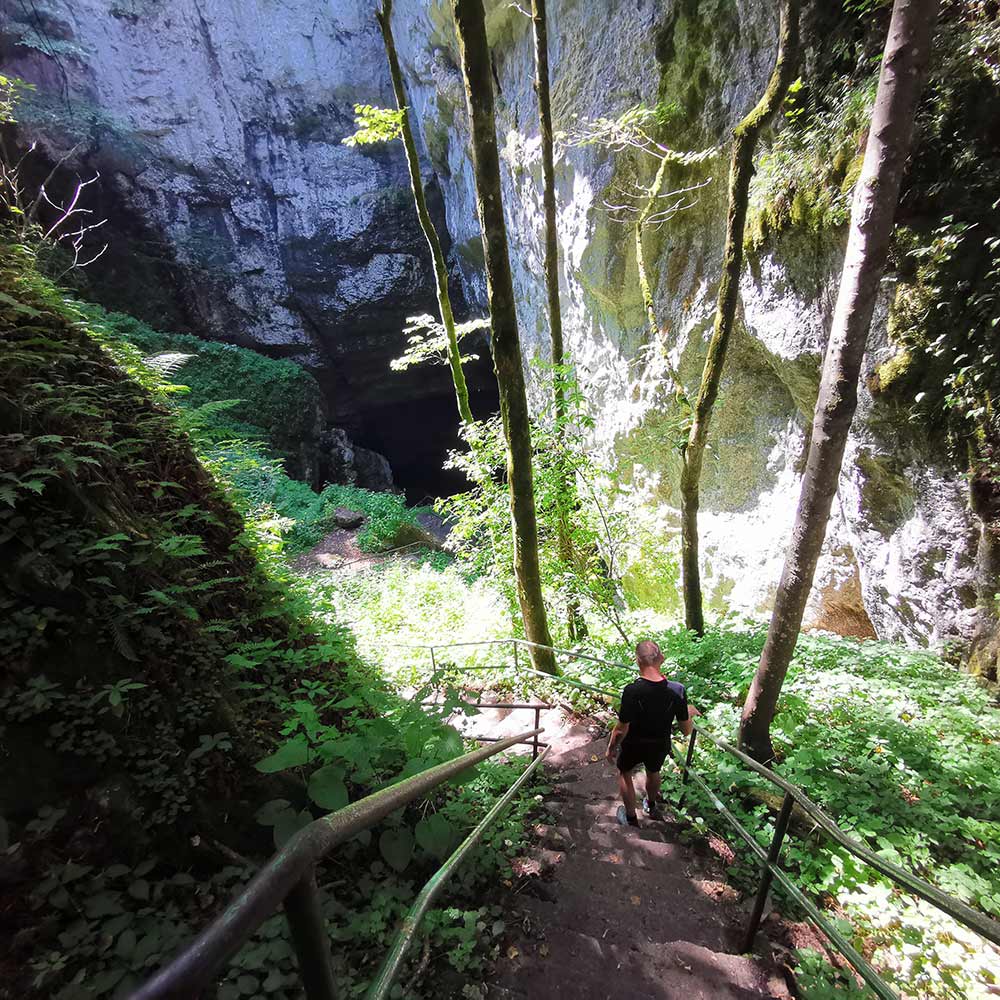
(623, 912)
(338, 551)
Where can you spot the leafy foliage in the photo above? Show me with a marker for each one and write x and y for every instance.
(428, 341)
(599, 524)
(893, 744)
(272, 401)
(262, 490)
(945, 315)
(375, 125)
(156, 647)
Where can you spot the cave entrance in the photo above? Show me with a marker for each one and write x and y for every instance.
(416, 432)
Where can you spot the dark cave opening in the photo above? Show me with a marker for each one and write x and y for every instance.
(416, 433)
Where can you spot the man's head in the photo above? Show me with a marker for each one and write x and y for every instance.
(647, 654)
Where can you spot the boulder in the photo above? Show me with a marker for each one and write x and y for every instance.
(344, 517)
(413, 533)
(372, 470)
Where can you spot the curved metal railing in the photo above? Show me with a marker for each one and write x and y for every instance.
(289, 879)
(770, 871)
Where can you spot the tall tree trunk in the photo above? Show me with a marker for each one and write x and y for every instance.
(471, 28)
(903, 67)
(564, 499)
(741, 171)
(384, 17)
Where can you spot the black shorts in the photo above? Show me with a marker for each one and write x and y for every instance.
(650, 753)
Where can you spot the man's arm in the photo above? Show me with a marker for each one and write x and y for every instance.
(617, 735)
(688, 724)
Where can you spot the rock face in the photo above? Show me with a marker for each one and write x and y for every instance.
(234, 208)
(904, 555)
(345, 462)
(261, 228)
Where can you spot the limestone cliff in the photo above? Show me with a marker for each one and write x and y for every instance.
(219, 124)
(903, 548)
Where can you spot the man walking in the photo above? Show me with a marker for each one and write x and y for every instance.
(650, 704)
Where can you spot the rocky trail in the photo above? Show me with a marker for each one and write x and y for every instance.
(604, 911)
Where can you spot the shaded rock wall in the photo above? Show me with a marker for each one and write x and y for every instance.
(235, 210)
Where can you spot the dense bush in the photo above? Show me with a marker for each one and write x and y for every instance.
(156, 648)
(273, 400)
(262, 489)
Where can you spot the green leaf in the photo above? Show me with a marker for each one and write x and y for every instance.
(327, 788)
(106, 981)
(288, 824)
(104, 904)
(125, 945)
(450, 744)
(294, 753)
(268, 813)
(139, 889)
(247, 985)
(436, 835)
(396, 846)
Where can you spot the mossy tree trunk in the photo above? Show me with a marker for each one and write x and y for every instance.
(384, 17)
(564, 499)
(741, 171)
(903, 67)
(640, 251)
(470, 25)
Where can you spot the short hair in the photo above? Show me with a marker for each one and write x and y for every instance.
(647, 653)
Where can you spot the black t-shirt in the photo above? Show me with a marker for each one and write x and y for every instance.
(650, 708)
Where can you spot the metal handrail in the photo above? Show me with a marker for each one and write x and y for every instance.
(404, 939)
(574, 654)
(289, 878)
(956, 909)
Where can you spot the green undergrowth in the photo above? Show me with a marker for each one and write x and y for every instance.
(252, 419)
(270, 400)
(898, 747)
(262, 489)
(943, 376)
(175, 698)
(395, 608)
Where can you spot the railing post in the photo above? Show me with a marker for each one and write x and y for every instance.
(312, 946)
(517, 665)
(534, 742)
(687, 765)
(766, 876)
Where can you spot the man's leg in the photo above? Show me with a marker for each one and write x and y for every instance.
(627, 789)
(653, 787)
(653, 794)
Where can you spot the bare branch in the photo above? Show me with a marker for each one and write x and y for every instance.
(33, 212)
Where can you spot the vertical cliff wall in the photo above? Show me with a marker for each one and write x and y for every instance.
(234, 209)
(218, 127)
(903, 557)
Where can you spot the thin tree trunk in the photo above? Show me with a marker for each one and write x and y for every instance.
(903, 66)
(640, 252)
(471, 28)
(564, 501)
(741, 171)
(384, 17)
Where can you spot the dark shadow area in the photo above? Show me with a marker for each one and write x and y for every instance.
(416, 434)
